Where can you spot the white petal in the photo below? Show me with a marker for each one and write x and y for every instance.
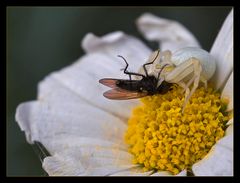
(91, 42)
(118, 43)
(227, 92)
(166, 173)
(162, 173)
(43, 122)
(88, 161)
(222, 50)
(230, 122)
(57, 166)
(98, 156)
(182, 173)
(229, 130)
(227, 141)
(219, 161)
(107, 170)
(136, 171)
(65, 141)
(80, 80)
(170, 34)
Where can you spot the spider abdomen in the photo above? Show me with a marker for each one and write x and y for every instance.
(207, 61)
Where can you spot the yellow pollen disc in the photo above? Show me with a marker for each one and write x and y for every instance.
(162, 138)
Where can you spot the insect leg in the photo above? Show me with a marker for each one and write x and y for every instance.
(130, 77)
(127, 72)
(144, 65)
(161, 71)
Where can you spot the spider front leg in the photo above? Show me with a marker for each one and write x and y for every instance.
(165, 59)
(148, 63)
(188, 71)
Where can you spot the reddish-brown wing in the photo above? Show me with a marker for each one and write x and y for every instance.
(121, 94)
(118, 93)
(109, 82)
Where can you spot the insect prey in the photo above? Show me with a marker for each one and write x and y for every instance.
(123, 89)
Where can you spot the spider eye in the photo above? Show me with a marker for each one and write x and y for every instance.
(141, 88)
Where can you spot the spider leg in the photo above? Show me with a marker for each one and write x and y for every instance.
(127, 72)
(188, 84)
(197, 72)
(185, 88)
(165, 59)
(202, 79)
(167, 56)
(144, 65)
(186, 69)
(204, 82)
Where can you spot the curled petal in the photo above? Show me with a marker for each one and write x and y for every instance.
(92, 43)
(170, 34)
(222, 50)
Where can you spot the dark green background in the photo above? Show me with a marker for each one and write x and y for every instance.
(44, 39)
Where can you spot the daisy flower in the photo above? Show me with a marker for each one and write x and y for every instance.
(89, 135)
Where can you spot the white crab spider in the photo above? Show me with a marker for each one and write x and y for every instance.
(187, 66)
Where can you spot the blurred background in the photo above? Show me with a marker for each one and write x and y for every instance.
(41, 40)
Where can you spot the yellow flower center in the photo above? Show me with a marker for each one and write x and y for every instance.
(161, 138)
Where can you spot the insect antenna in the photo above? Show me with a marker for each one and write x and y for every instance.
(127, 72)
(144, 65)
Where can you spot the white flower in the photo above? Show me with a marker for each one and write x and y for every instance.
(83, 131)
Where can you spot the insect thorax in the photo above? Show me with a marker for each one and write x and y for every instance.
(149, 84)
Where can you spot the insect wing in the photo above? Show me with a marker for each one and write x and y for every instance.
(109, 82)
(121, 94)
(112, 83)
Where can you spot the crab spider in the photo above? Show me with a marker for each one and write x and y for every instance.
(186, 67)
